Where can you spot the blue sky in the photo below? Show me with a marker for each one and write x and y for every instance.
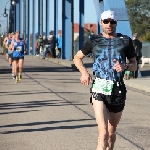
(3, 20)
(90, 13)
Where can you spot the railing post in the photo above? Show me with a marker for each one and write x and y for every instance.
(33, 27)
(28, 39)
(66, 30)
(81, 23)
(47, 20)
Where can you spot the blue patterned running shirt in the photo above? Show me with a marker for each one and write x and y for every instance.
(105, 50)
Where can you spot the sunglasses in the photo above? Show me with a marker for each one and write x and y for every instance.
(111, 22)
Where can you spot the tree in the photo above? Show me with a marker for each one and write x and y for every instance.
(139, 15)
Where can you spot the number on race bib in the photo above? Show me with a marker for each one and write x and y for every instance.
(19, 48)
(102, 86)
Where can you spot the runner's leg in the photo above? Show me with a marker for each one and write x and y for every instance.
(21, 61)
(101, 115)
(15, 63)
(9, 60)
(113, 121)
(13, 69)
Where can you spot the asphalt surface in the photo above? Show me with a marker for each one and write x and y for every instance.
(50, 110)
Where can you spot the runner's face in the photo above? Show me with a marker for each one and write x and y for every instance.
(17, 34)
(9, 35)
(13, 37)
(108, 26)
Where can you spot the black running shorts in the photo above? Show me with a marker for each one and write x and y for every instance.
(17, 58)
(114, 102)
(10, 55)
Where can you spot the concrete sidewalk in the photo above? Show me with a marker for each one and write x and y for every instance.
(142, 83)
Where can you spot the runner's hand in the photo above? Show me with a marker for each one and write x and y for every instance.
(86, 79)
(118, 67)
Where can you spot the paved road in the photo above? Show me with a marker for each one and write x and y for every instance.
(50, 110)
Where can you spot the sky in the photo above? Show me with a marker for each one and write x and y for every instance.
(3, 20)
(90, 13)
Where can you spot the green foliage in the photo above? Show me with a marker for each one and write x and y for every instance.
(139, 14)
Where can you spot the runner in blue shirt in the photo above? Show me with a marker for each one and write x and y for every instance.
(18, 55)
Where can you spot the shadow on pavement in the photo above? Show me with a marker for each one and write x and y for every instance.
(17, 112)
(40, 69)
(43, 123)
(28, 93)
(47, 128)
(48, 69)
(35, 104)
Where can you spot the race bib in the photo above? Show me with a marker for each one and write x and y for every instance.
(19, 48)
(102, 86)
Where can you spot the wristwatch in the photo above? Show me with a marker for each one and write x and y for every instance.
(127, 65)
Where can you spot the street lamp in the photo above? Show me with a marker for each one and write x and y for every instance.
(13, 2)
(6, 15)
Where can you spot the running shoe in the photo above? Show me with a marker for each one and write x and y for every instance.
(20, 77)
(16, 81)
(14, 77)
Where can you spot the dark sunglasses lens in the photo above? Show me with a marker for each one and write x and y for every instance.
(105, 21)
(111, 22)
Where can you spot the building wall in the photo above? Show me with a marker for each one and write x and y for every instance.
(88, 26)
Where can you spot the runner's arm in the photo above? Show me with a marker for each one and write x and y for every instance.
(4, 42)
(132, 65)
(131, 56)
(78, 62)
(86, 49)
(6, 45)
(11, 47)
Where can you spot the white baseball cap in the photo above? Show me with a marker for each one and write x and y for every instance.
(108, 14)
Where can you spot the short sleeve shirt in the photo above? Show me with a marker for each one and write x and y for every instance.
(105, 50)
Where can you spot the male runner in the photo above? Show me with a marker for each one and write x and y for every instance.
(11, 53)
(18, 55)
(5, 44)
(110, 50)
